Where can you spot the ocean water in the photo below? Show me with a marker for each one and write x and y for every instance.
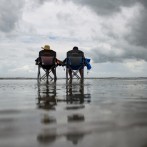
(106, 112)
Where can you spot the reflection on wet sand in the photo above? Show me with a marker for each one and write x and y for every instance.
(47, 136)
(47, 96)
(76, 117)
(66, 116)
(75, 99)
(46, 119)
(75, 137)
(50, 136)
(76, 96)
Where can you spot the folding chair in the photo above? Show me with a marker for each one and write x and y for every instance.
(47, 61)
(75, 62)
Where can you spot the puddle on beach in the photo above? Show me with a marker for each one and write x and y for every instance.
(98, 112)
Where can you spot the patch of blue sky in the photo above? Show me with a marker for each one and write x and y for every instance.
(71, 39)
(31, 40)
(75, 40)
(64, 38)
(52, 38)
(26, 41)
(56, 38)
(137, 66)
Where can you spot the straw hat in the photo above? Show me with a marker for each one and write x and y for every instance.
(46, 47)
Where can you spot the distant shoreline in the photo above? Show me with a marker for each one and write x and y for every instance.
(121, 78)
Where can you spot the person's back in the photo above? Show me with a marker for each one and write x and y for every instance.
(47, 53)
(76, 61)
(75, 52)
(47, 59)
(75, 57)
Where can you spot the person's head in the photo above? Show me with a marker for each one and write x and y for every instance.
(46, 47)
(75, 48)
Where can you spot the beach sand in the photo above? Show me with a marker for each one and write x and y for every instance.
(109, 112)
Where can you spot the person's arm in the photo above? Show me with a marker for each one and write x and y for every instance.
(60, 63)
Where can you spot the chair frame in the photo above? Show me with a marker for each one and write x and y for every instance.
(47, 71)
(75, 72)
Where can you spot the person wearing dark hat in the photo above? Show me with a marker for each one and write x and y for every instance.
(75, 51)
(80, 70)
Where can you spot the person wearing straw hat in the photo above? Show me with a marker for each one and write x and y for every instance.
(46, 47)
(38, 60)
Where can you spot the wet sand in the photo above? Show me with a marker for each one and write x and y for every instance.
(100, 112)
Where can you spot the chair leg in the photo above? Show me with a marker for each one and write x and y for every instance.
(66, 74)
(47, 74)
(38, 72)
(55, 77)
(83, 74)
(75, 73)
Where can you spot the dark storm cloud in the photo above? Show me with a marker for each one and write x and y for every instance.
(143, 2)
(10, 13)
(138, 27)
(105, 7)
(98, 56)
(39, 2)
(65, 18)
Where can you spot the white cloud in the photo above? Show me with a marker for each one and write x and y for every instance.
(10, 13)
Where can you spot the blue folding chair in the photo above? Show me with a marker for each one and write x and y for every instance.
(75, 62)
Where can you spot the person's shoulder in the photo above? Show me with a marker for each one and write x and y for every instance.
(69, 51)
(80, 51)
(47, 53)
(51, 50)
(47, 50)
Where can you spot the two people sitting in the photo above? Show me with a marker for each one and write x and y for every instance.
(46, 50)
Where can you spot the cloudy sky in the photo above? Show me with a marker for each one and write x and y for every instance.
(112, 33)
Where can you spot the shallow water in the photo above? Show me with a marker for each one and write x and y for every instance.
(100, 112)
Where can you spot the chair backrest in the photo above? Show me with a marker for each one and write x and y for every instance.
(75, 60)
(47, 60)
(75, 53)
(47, 57)
(47, 53)
(75, 57)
